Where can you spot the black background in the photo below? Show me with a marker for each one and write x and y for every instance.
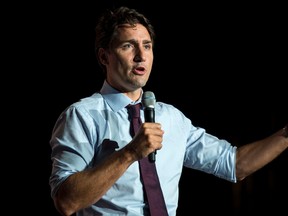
(223, 65)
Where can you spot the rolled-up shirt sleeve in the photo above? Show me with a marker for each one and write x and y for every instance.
(72, 150)
(210, 154)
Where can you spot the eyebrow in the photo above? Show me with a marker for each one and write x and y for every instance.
(136, 42)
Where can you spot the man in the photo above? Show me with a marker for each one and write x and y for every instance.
(95, 159)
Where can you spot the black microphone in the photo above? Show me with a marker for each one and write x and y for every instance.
(149, 100)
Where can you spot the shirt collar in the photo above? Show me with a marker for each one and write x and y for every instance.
(114, 98)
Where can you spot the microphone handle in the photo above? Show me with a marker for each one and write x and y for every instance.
(149, 114)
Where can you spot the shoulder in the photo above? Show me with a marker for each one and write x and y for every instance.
(161, 106)
(86, 105)
(93, 101)
(169, 110)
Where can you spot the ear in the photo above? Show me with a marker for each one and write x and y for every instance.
(103, 56)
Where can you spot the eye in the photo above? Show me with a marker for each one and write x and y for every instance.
(147, 46)
(127, 46)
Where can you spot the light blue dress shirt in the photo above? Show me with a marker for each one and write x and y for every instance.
(90, 129)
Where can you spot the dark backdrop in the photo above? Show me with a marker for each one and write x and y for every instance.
(223, 65)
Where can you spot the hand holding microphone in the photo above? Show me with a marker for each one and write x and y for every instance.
(149, 101)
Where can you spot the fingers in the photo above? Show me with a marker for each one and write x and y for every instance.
(152, 129)
(148, 139)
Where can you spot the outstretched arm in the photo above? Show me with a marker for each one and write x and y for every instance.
(255, 155)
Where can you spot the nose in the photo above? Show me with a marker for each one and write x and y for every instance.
(139, 55)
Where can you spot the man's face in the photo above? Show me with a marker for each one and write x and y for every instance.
(130, 58)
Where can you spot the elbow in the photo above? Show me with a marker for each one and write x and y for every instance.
(63, 207)
(243, 167)
(241, 171)
(240, 178)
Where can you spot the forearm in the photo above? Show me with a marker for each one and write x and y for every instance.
(87, 187)
(253, 156)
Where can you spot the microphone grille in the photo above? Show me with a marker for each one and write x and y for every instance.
(148, 99)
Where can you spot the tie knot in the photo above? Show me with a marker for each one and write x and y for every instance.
(134, 110)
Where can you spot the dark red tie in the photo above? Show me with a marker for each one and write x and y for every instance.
(148, 171)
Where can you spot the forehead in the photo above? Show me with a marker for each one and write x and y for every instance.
(138, 31)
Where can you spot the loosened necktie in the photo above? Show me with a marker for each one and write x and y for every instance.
(148, 171)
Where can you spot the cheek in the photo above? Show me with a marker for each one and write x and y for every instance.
(114, 61)
(150, 62)
(120, 58)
